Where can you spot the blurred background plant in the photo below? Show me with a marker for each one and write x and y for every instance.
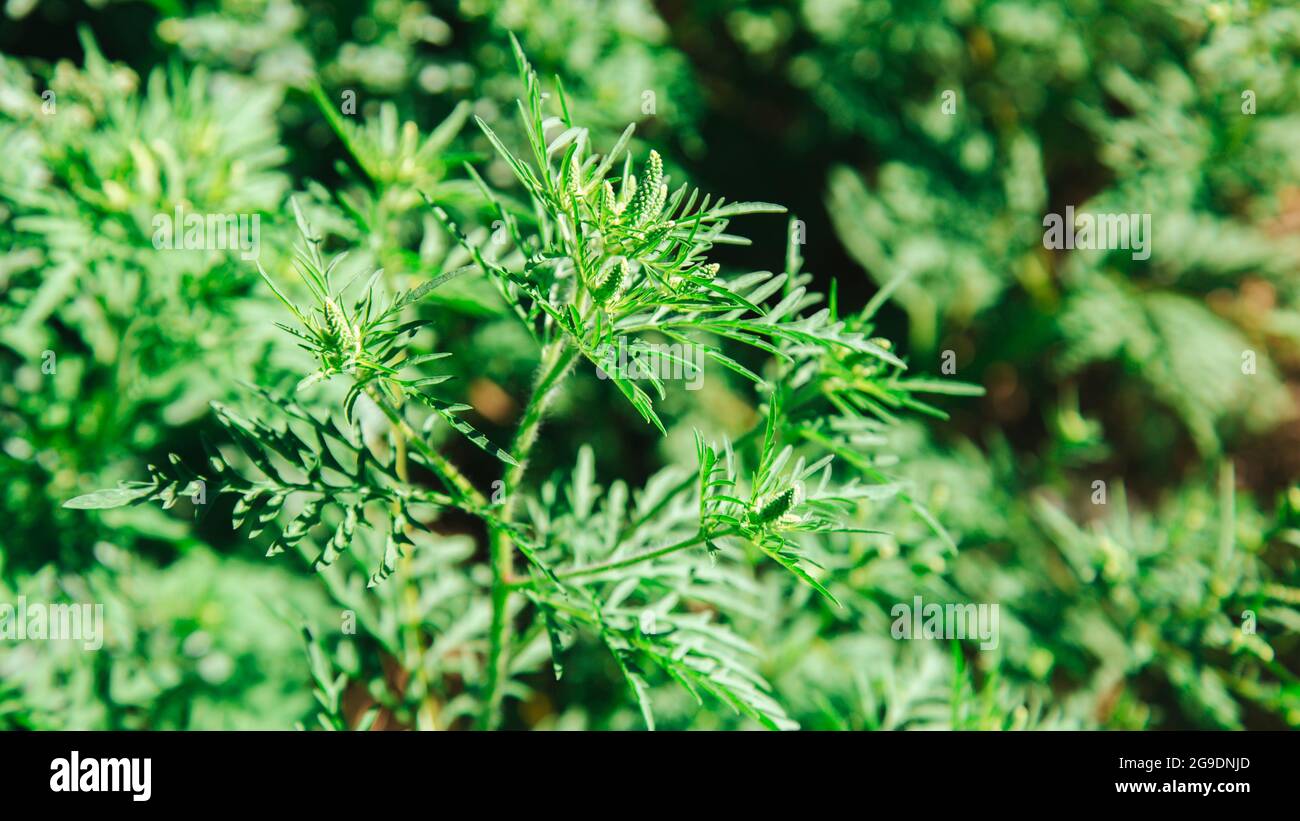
(1097, 367)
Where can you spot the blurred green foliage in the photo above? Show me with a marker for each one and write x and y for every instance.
(1098, 367)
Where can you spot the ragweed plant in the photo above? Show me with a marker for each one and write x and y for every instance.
(729, 555)
(661, 579)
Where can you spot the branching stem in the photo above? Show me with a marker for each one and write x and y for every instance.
(455, 481)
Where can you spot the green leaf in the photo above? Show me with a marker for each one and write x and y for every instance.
(121, 496)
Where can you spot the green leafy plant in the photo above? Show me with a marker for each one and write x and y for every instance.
(600, 259)
(530, 444)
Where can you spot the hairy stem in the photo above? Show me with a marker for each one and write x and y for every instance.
(557, 357)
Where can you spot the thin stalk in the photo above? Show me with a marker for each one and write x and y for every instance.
(451, 477)
(462, 490)
(618, 564)
(428, 711)
(556, 359)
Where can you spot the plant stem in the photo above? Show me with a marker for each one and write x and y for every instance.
(461, 488)
(649, 555)
(427, 714)
(556, 359)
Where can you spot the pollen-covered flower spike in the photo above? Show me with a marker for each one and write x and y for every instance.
(650, 194)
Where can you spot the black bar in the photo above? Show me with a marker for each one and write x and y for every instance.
(331, 771)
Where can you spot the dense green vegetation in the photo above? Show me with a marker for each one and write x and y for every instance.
(635, 372)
